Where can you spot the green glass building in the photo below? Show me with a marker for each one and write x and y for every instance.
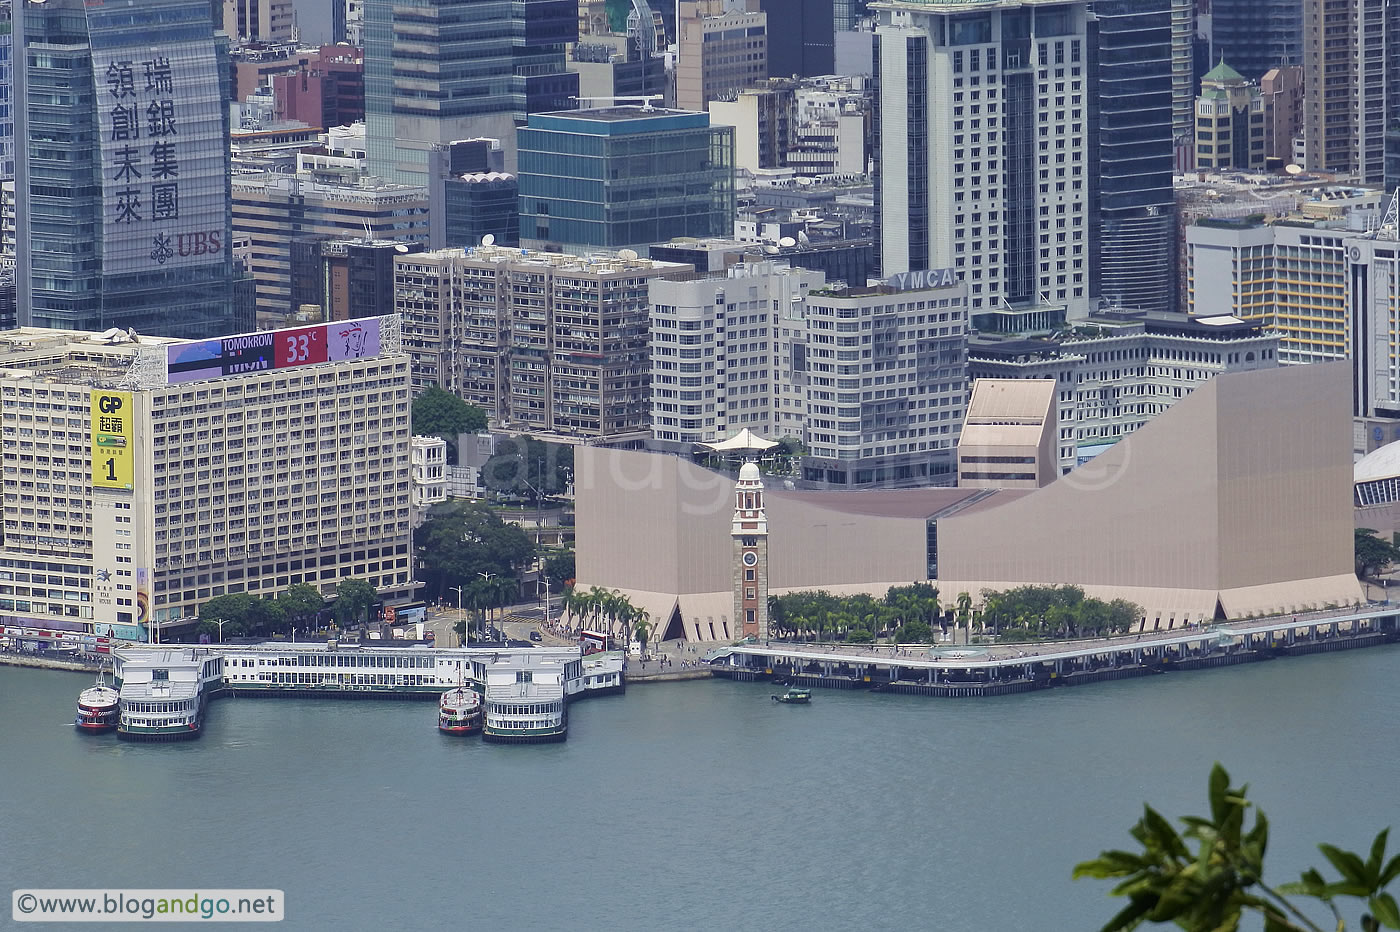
(623, 177)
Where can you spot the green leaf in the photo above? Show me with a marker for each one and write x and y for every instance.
(1392, 870)
(1384, 909)
(1373, 863)
(1219, 787)
(1130, 916)
(1348, 864)
(1110, 864)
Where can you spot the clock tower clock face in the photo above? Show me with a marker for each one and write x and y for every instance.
(750, 558)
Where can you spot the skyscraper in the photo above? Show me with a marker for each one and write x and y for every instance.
(1134, 258)
(1256, 35)
(123, 160)
(441, 70)
(805, 45)
(1349, 84)
(1028, 147)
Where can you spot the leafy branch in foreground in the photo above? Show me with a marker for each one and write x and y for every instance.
(1210, 888)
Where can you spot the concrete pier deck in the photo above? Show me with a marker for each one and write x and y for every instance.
(999, 669)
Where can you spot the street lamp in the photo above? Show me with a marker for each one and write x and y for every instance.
(458, 590)
(220, 622)
(488, 577)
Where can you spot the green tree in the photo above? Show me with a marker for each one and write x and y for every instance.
(641, 630)
(301, 604)
(559, 567)
(439, 413)
(353, 597)
(461, 540)
(523, 465)
(234, 610)
(1373, 553)
(914, 632)
(1207, 877)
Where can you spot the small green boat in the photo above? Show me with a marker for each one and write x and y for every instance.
(795, 695)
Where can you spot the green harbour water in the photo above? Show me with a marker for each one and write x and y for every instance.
(697, 805)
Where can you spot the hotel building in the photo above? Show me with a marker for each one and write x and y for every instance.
(143, 476)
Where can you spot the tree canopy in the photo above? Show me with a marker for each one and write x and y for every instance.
(856, 618)
(1374, 554)
(559, 567)
(525, 464)
(353, 597)
(1030, 612)
(1209, 876)
(439, 413)
(461, 540)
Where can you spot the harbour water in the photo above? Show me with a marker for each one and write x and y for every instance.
(695, 805)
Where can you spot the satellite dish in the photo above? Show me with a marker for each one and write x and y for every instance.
(488, 240)
(804, 181)
(400, 247)
(803, 238)
(771, 250)
(1293, 169)
(787, 241)
(627, 254)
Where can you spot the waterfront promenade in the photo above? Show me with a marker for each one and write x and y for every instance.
(995, 669)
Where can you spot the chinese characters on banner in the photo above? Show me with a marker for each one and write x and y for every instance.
(112, 438)
(147, 167)
(160, 124)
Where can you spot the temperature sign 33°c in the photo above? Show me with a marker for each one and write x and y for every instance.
(300, 347)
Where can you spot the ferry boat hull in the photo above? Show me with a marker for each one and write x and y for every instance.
(184, 732)
(457, 728)
(537, 736)
(96, 721)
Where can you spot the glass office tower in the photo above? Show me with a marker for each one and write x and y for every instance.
(620, 177)
(124, 212)
(1136, 206)
(437, 71)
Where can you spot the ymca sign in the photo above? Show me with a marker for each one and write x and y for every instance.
(923, 278)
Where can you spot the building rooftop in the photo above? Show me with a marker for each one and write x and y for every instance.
(1223, 74)
(1011, 401)
(1381, 463)
(617, 121)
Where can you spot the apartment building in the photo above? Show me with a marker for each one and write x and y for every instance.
(143, 476)
(872, 380)
(1118, 371)
(545, 343)
(727, 352)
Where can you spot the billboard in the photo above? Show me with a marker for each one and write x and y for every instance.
(272, 349)
(112, 440)
(162, 148)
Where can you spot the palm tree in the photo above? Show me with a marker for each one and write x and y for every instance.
(641, 629)
(964, 612)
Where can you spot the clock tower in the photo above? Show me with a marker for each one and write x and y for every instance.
(750, 533)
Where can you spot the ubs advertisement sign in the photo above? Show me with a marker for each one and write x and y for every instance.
(272, 349)
(160, 133)
(112, 439)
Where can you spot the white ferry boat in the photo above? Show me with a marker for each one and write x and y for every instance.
(163, 693)
(459, 712)
(98, 707)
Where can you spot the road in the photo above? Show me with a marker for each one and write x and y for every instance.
(519, 620)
